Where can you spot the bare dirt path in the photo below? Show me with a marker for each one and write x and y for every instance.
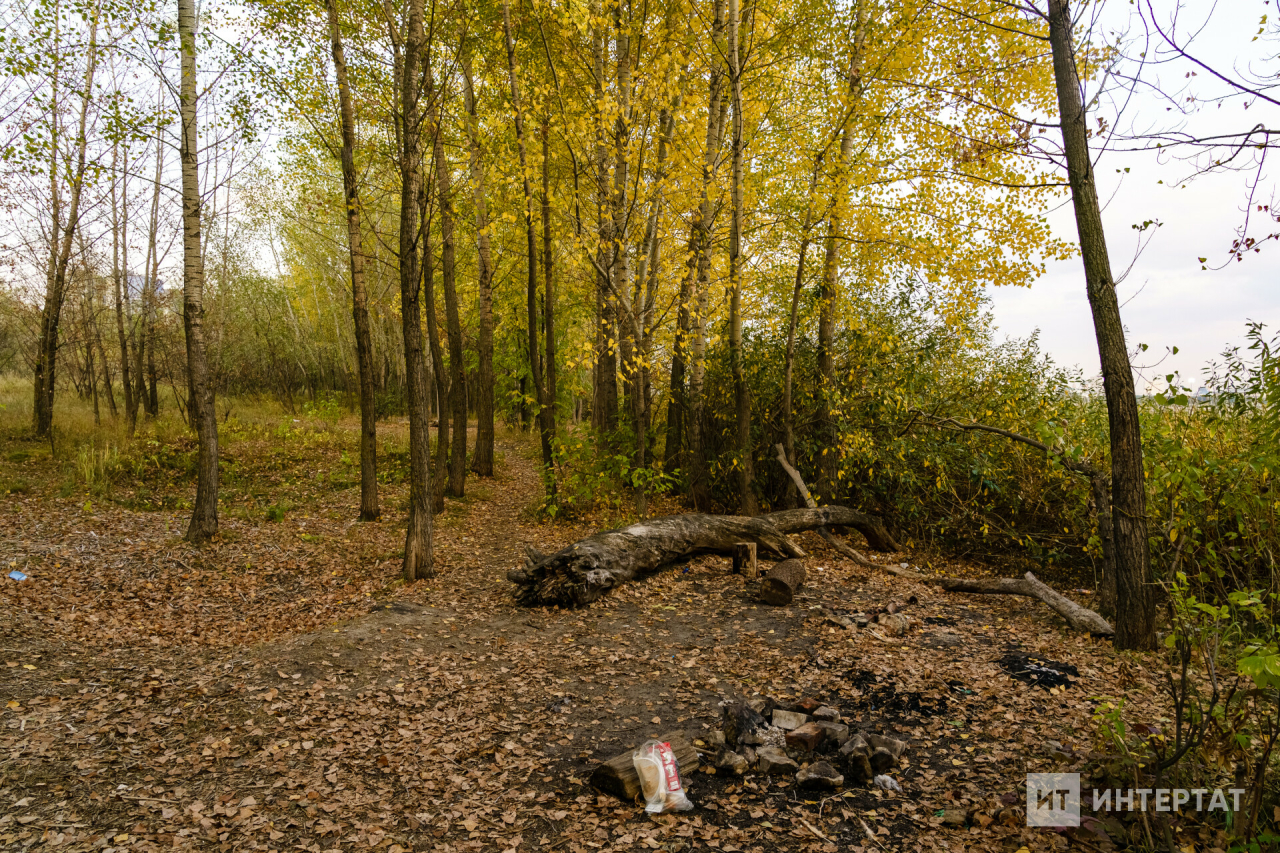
(281, 690)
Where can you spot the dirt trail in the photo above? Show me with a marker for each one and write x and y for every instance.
(281, 691)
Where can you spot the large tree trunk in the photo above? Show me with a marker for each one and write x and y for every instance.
(482, 459)
(418, 556)
(369, 510)
(1135, 602)
(453, 322)
(204, 515)
(744, 464)
(588, 569)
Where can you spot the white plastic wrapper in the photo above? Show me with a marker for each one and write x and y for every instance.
(660, 778)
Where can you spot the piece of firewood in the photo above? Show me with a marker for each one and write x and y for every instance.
(618, 775)
(782, 583)
(744, 560)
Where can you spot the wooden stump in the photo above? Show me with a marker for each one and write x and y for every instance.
(744, 560)
(782, 583)
(618, 775)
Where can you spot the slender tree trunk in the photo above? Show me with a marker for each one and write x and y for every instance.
(829, 439)
(437, 375)
(107, 379)
(531, 248)
(621, 288)
(151, 277)
(482, 459)
(647, 274)
(369, 510)
(1135, 603)
(678, 406)
(418, 556)
(120, 275)
(548, 316)
(604, 409)
(700, 240)
(453, 322)
(204, 515)
(62, 240)
(745, 467)
(90, 376)
(788, 406)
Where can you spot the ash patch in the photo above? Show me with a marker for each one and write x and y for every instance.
(885, 698)
(1038, 671)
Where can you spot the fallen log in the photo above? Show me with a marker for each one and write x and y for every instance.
(589, 568)
(784, 580)
(618, 775)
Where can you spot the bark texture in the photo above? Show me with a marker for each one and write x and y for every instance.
(783, 581)
(204, 515)
(807, 497)
(418, 556)
(453, 323)
(1135, 601)
(587, 569)
(744, 464)
(62, 240)
(369, 510)
(482, 457)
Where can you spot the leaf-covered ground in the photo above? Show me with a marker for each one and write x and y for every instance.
(281, 690)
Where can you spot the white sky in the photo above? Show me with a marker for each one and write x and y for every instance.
(1167, 299)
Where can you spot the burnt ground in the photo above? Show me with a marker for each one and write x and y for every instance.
(280, 689)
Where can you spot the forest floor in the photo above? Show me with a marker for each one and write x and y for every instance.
(281, 689)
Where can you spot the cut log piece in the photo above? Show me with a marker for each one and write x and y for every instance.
(618, 775)
(742, 725)
(744, 560)
(784, 580)
(589, 568)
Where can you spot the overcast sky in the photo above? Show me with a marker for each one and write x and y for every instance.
(1168, 300)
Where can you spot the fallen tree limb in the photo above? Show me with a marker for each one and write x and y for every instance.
(1078, 617)
(1099, 491)
(826, 534)
(589, 568)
